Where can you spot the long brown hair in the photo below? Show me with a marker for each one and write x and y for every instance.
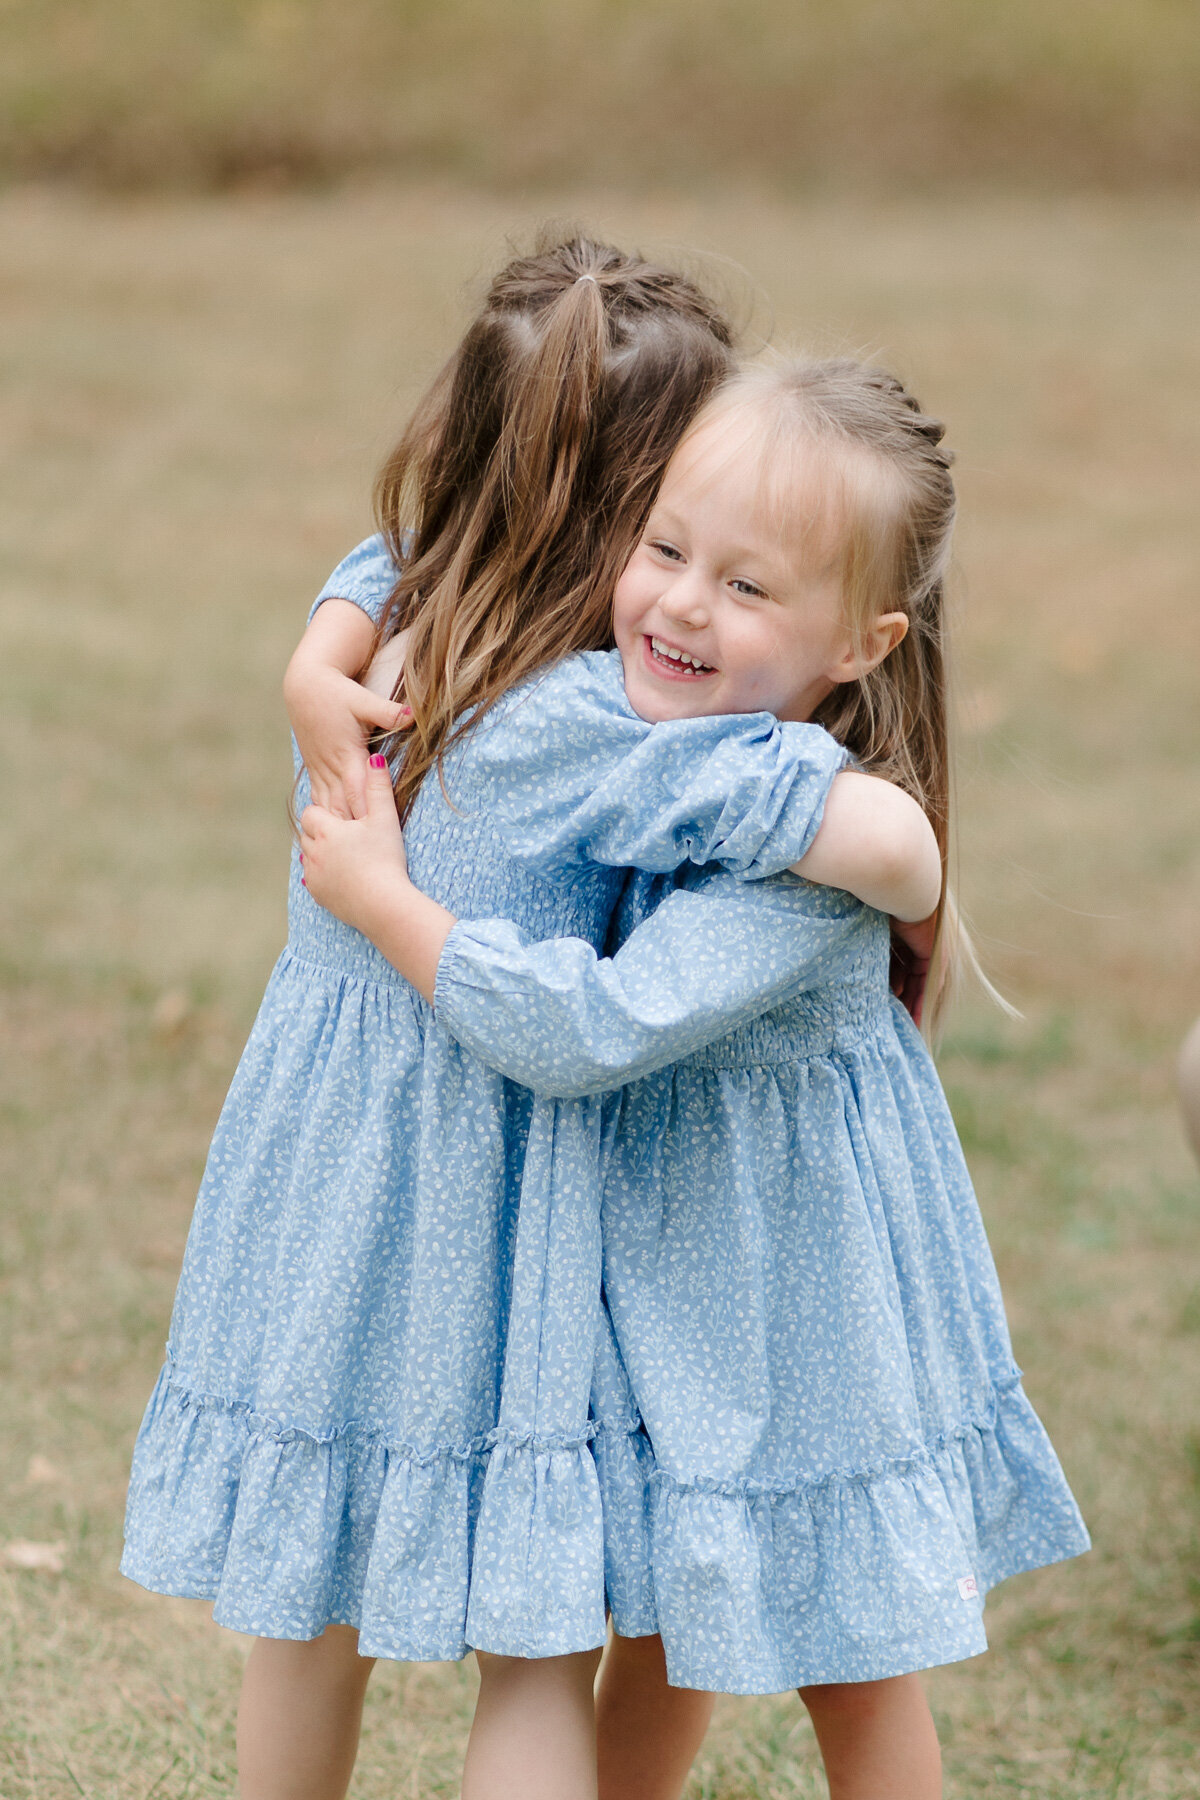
(519, 488)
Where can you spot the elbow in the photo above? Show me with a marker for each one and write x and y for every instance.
(896, 862)
(877, 844)
(915, 872)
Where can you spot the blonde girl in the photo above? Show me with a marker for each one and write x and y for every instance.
(840, 1460)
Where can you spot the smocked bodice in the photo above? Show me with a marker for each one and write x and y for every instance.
(456, 855)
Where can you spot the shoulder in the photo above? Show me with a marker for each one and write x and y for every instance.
(366, 576)
(577, 699)
(545, 752)
(590, 678)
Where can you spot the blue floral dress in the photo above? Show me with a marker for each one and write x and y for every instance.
(839, 1460)
(325, 1442)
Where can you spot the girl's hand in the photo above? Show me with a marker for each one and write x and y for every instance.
(912, 949)
(334, 718)
(357, 869)
(353, 867)
(332, 714)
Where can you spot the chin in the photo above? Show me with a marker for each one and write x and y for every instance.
(645, 708)
(657, 705)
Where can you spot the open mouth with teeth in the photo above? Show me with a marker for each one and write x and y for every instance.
(671, 661)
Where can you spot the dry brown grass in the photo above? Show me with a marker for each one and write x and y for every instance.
(213, 92)
(192, 400)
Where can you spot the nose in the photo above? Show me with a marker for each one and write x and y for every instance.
(685, 601)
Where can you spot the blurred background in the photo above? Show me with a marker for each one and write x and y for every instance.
(235, 242)
(213, 93)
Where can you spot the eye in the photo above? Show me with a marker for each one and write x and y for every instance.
(662, 548)
(749, 590)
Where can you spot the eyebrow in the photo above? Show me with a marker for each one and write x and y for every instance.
(656, 512)
(776, 572)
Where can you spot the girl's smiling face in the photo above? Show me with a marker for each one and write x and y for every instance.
(723, 608)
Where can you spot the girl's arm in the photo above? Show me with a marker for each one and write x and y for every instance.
(331, 713)
(572, 775)
(576, 776)
(555, 1016)
(562, 1020)
(877, 844)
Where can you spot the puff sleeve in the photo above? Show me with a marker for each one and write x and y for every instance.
(366, 577)
(573, 775)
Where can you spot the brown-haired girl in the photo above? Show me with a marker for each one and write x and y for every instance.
(840, 1459)
(325, 1453)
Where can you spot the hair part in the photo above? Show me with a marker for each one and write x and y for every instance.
(520, 486)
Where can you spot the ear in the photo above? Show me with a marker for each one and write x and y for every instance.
(885, 631)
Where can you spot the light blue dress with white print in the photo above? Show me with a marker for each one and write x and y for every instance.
(326, 1442)
(840, 1459)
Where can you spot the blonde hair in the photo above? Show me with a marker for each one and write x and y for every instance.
(886, 501)
(519, 489)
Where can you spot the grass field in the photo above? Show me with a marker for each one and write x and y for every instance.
(193, 396)
(218, 93)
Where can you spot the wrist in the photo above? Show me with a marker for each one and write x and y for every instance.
(385, 907)
(410, 929)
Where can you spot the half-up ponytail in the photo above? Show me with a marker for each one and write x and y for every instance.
(521, 485)
(548, 426)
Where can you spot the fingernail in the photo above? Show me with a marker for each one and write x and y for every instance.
(379, 762)
(302, 856)
(406, 712)
(303, 883)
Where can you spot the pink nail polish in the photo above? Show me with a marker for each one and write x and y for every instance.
(303, 883)
(379, 762)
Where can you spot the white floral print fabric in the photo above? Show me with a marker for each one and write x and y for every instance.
(327, 1441)
(838, 1460)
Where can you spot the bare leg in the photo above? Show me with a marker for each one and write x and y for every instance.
(877, 1739)
(534, 1731)
(299, 1717)
(647, 1733)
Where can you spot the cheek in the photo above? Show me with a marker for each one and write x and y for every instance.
(625, 601)
(754, 646)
